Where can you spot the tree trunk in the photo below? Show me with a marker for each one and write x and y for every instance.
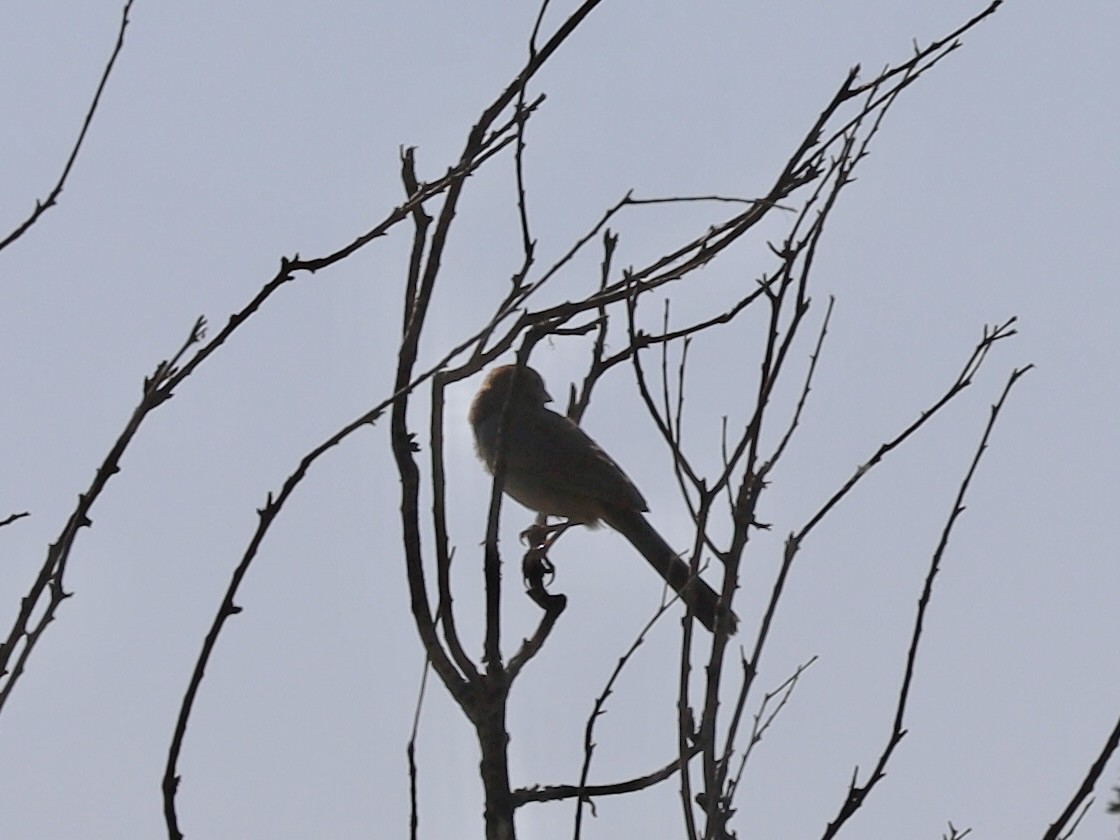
(494, 742)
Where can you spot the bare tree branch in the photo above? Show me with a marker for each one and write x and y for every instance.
(762, 719)
(47, 591)
(413, 770)
(43, 205)
(858, 792)
(599, 708)
(13, 517)
(228, 608)
(1067, 819)
(551, 793)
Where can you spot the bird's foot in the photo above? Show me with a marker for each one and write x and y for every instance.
(536, 567)
(536, 536)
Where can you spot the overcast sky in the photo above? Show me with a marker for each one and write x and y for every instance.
(231, 135)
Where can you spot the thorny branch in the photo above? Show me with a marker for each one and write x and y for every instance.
(858, 792)
(599, 708)
(821, 167)
(47, 592)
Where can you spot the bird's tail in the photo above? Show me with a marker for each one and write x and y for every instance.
(700, 598)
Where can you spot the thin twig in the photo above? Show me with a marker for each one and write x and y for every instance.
(13, 517)
(42, 206)
(814, 357)
(49, 583)
(228, 608)
(413, 771)
(762, 720)
(963, 380)
(858, 792)
(599, 708)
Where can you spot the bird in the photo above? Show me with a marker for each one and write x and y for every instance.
(554, 468)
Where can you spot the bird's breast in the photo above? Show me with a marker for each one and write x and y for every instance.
(543, 497)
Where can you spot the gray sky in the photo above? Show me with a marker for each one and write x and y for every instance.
(233, 134)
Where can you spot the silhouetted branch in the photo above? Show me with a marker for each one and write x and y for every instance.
(963, 380)
(955, 833)
(858, 792)
(551, 793)
(1069, 818)
(805, 389)
(14, 517)
(43, 205)
(47, 591)
(228, 608)
(410, 751)
(762, 719)
(599, 708)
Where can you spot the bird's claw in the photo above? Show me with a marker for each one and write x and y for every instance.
(536, 567)
(536, 536)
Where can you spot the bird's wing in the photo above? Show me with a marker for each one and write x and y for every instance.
(551, 445)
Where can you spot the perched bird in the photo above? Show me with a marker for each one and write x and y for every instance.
(554, 468)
